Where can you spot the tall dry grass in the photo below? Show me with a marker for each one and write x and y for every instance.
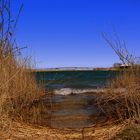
(122, 99)
(18, 88)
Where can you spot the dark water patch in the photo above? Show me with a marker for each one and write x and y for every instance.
(74, 79)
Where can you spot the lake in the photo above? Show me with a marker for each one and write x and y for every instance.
(73, 96)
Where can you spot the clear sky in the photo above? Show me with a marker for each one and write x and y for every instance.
(65, 33)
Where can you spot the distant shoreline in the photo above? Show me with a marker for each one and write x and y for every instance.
(73, 69)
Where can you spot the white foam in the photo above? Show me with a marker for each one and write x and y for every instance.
(67, 91)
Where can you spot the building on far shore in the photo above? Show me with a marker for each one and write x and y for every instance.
(117, 65)
(120, 65)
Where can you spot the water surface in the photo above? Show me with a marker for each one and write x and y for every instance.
(72, 102)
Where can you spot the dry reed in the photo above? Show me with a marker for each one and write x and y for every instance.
(122, 99)
(18, 88)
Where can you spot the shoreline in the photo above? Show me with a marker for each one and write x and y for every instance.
(73, 69)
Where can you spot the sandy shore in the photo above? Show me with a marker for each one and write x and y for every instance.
(23, 131)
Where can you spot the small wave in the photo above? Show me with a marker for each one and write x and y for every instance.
(68, 91)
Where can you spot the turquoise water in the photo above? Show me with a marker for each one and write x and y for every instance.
(74, 79)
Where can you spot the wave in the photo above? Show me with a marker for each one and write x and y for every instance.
(68, 91)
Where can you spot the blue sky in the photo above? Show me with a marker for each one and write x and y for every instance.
(65, 33)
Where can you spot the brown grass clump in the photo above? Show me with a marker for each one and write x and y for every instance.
(122, 99)
(18, 88)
